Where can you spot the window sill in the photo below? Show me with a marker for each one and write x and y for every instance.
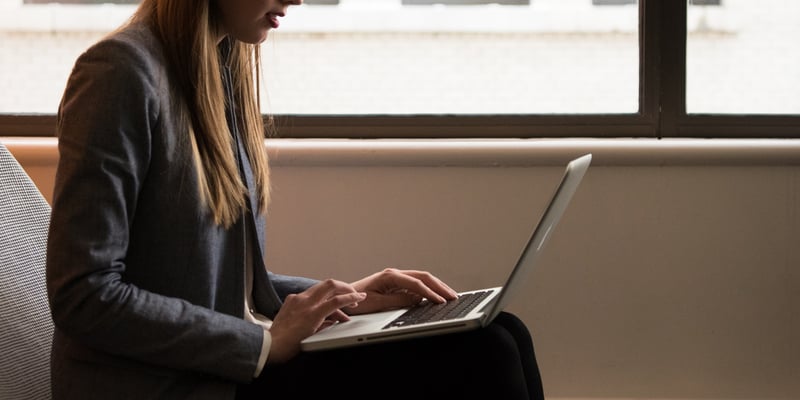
(492, 152)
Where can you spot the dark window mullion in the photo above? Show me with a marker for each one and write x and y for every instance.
(27, 125)
(649, 64)
(462, 126)
(672, 65)
(739, 126)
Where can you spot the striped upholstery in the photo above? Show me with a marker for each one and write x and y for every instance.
(26, 329)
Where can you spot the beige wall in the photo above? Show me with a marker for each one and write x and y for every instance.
(675, 272)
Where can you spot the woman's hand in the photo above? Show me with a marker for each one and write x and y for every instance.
(321, 305)
(305, 313)
(395, 288)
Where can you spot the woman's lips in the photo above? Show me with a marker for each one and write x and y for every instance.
(273, 20)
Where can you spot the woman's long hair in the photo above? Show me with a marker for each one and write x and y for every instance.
(189, 31)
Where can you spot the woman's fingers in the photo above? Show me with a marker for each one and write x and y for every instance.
(393, 288)
(304, 313)
(335, 318)
(324, 299)
(421, 283)
(386, 301)
(432, 282)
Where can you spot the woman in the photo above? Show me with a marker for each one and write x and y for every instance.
(155, 267)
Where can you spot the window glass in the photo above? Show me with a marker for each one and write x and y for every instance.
(743, 57)
(376, 56)
(386, 57)
(39, 44)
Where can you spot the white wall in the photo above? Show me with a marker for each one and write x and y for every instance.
(675, 272)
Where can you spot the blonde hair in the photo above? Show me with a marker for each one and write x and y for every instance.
(189, 32)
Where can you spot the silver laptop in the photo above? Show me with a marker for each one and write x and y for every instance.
(472, 309)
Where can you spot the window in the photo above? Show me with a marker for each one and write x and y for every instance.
(460, 68)
(395, 58)
(389, 57)
(742, 59)
(612, 2)
(462, 2)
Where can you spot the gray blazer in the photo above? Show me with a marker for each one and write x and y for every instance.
(146, 292)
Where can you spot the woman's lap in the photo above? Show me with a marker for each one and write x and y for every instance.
(496, 361)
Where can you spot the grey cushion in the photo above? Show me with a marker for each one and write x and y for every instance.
(26, 328)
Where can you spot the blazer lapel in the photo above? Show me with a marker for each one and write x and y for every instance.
(265, 297)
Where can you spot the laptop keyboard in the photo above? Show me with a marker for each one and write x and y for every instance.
(428, 311)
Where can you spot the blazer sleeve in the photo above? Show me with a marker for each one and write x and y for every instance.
(286, 284)
(107, 117)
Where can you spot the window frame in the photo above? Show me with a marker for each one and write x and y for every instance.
(662, 106)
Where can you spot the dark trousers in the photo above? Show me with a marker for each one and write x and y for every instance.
(496, 362)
